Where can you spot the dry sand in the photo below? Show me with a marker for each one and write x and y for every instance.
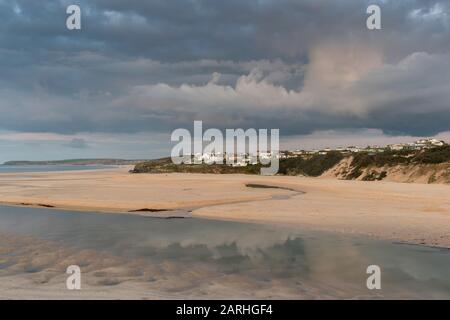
(415, 213)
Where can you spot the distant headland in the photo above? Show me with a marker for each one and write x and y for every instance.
(79, 162)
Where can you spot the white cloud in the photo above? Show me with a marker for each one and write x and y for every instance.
(339, 81)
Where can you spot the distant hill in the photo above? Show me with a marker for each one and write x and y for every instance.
(79, 162)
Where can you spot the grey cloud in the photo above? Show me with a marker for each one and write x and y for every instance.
(145, 66)
(77, 143)
(221, 30)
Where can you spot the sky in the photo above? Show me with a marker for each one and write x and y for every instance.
(139, 69)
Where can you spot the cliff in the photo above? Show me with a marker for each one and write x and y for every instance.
(426, 166)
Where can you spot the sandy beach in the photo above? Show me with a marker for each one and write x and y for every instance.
(413, 213)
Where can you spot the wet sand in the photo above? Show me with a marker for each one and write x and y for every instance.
(138, 258)
(413, 213)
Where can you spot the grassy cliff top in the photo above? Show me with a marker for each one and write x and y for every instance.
(313, 166)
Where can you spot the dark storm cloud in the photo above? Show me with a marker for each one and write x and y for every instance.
(229, 30)
(300, 65)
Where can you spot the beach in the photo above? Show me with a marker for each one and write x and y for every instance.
(135, 257)
(405, 212)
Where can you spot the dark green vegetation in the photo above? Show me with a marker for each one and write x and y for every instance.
(435, 155)
(78, 162)
(313, 166)
(165, 165)
(364, 160)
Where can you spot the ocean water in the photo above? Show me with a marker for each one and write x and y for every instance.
(49, 168)
(197, 258)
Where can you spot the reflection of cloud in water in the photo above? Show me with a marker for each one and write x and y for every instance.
(205, 258)
(174, 269)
